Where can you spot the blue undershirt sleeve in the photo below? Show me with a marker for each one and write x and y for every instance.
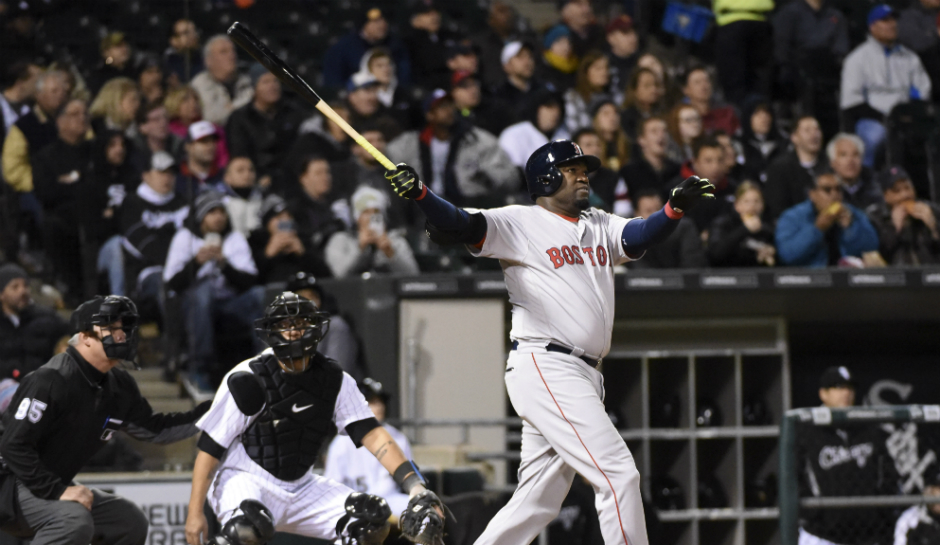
(639, 234)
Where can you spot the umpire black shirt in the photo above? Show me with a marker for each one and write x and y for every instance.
(66, 410)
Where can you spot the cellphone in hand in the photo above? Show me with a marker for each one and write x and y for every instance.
(377, 223)
(213, 239)
(286, 226)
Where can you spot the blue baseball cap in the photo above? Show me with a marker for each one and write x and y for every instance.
(879, 12)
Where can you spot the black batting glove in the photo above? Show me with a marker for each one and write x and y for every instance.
(690, 192)
(405, 181)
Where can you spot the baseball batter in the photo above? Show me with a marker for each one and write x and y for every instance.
(264, 431)
(558, 259)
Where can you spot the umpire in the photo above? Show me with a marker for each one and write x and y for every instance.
(61, 415)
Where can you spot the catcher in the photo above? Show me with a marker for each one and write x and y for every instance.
(264, 431)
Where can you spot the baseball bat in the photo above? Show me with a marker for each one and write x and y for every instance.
(250, 43)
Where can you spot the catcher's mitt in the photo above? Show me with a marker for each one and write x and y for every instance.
(420, 521)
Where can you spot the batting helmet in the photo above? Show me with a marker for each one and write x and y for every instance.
(293, 327)
(542, 175)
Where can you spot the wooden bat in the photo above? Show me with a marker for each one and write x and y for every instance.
(250, 43)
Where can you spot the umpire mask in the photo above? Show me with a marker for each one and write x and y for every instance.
(293, 327)
(107, 313)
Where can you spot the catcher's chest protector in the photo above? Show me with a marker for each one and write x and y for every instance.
(298, 417)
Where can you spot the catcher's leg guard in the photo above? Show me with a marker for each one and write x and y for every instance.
(367, 518)
(255, 526)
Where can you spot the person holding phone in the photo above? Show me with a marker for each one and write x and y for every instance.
(211, 266)
(278, 251)
(370, 247)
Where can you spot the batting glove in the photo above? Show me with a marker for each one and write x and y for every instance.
(405, 181)
(689, 193)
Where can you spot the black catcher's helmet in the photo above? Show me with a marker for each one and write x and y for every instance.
(104, 312)
(293, 327)
(542, 175)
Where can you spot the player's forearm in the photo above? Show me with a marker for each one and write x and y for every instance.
(203, 470)
(385, 449)
(640, 234)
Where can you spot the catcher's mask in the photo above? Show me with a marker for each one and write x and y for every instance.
(293, 327)
(114, 314)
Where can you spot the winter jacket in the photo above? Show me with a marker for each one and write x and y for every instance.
(476, 166)
(217, 103)
(788, 182)
(801, 244)
(882, 77)
(681, 250)
(262, 138)
(25, 347)
(236, 274)
(731, 244)
(148, 222)
(346, 258)
(913, 245)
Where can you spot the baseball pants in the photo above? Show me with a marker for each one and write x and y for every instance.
(566, 431)
(310, 509)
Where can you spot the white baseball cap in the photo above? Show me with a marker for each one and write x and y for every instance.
(201, 129)
(510, 50)
(161, 161)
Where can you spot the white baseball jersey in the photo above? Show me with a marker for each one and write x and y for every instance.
(291, 502)
(559, 273)
(360, 470)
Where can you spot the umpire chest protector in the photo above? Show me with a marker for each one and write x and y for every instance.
(286, 437)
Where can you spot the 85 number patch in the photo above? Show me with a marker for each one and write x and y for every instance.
(32, 408)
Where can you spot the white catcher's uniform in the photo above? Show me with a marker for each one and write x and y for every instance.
(309, 506)
(559, 273)
(358, 469)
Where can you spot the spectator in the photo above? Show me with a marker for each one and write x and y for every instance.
(591, 85)
(113, 178)
(243, 196)
(822, 231)
(920, 523)
(604, 181)
(428, 44)
(643, 94)
(477, 171)
(488, 114)
(559, 62)
(199, 172)
(859, 188)
(654, 63)
(153, 135)
(743, 48)
(623, 50)
(792, 175)
(378, 62)
(652, 168)
(310, 203)
(876, 76)
(264, 129)
(370, 247)
(917, 30)
(149, 219)
(734, 157)
(278, 251)
(340, 342)
(184, 108)
(685, 125)
(708, 162)
(586, 34)
(699, 92)
(519, 86)
(907, 226)
(116, 107)
(682, 250)
(615, 146)
(321, 137)
(28, 332)
(33, 131)
(762, 142)
(501, 24)
(116, 62)
(212, 267)
(811, 38)
(343, 58)
(18, 91)
(741, 238)
(544, 123)
(60, 176)
(220, 87)
(462, 58)
(362, 99)
(182, 58)
(357, 468)
(150, 80)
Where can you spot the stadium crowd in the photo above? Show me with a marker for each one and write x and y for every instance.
(183, 172)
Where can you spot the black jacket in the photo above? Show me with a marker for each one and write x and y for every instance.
(730, 243)
(913, 245)
(66, 410)
(681, 250)
(148, 227)
(27, 347)
(56, 160)
(282, 266)
(262, 138)
(788, 182)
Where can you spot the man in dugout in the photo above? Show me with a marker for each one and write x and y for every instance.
(61, 415)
